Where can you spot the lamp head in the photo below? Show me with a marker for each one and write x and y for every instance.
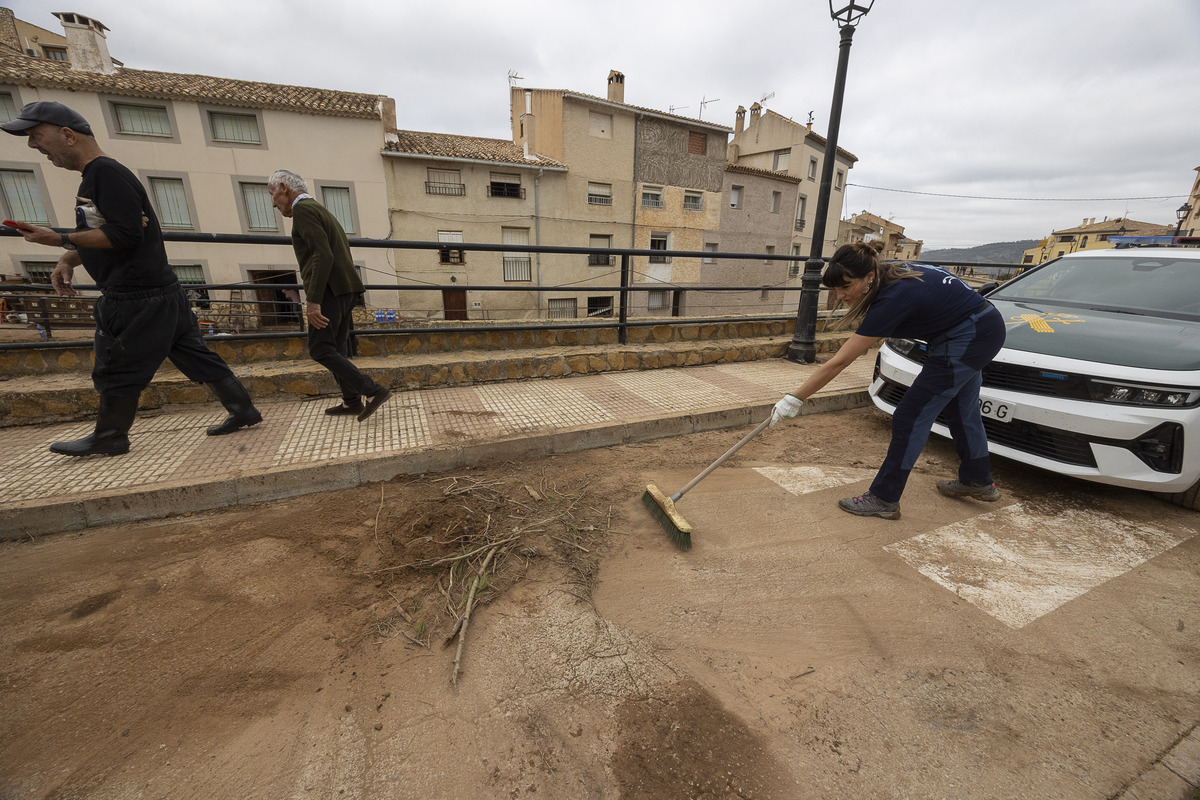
(1182, 212)
(849, 13)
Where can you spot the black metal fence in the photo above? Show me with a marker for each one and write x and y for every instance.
(226, 309)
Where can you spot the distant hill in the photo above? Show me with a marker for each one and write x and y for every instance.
(994, 253)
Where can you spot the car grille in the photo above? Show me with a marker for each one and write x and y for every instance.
(1017, 378)
(1038, 440)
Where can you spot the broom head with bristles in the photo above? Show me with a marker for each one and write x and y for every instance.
(663, 509)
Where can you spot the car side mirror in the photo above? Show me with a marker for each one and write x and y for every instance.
(988, 287)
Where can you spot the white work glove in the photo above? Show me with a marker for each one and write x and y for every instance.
(786, 408)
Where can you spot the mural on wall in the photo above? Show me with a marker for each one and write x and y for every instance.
(663, 157)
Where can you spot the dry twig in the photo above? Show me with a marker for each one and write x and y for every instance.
(466, 618)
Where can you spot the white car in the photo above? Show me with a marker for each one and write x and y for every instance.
(1099, 376)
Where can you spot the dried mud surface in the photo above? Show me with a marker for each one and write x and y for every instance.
(307, 647)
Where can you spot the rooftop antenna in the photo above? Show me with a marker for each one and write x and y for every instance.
(766, 97)
(513, 77)
(704, 102)
(673, 109)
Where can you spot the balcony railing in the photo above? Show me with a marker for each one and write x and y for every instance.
(799, 224)
(652, 202)
(601, 260)
(458, 189)
(599, 200)
(506, 190)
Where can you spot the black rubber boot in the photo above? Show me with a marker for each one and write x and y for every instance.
(112, 426)
(235, 398)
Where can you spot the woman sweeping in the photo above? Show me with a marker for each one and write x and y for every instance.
(963, 332)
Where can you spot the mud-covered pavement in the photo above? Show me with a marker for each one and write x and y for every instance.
(1043, 646)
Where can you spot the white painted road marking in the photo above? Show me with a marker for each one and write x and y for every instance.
(1018, 566)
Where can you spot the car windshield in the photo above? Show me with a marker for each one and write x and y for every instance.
(1158, 285)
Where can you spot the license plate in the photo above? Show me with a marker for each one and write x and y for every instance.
(992, 409)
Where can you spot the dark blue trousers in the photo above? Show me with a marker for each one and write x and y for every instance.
(948, 382)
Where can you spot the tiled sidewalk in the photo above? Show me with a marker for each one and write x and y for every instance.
(173, 466)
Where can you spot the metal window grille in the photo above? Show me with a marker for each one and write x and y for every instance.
(454, 189)
(240, 128)
(337, 200)
(652, 199)
(505, 185)
(659, 243)
(599, 194)
(38, 271)
(693, 202)
(171, 199)
(450, 255)
(518, 269)
(601, 260)
(601, 306)
(799, 224)
(22, 196)
(561, 308)
(142, 120)
(260, 213)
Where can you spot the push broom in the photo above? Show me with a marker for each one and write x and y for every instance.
(663, 507)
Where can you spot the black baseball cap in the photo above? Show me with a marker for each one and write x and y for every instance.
(50, 112)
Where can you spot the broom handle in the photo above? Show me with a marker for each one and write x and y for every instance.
(761, 427)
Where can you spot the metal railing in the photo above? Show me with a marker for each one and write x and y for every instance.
(237, 310)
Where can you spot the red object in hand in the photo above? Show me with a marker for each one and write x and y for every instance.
(21, 226)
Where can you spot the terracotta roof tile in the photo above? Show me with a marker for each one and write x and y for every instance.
(766, 173)
(475, 148)
(1129, 227)
(27, 71)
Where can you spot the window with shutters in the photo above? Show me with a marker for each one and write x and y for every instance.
(23, 197)
(770, 251)
(710, 248)
(259, 211)
(812, 169)
(340, 202)
(518, 266)
(780, 161)
(735, 197)
(693, 201)
(652, 197)
(600, 259)
(227, 128)
(697, 143)
(142, 120)
(8, 107)
(656, 300)
(503, 184)
(445, 182)
(776, 201)
(600, 125)
(189, 275)
(660, 241)
(599, 194)
(171, 203)
(55, 53)
(451, 255)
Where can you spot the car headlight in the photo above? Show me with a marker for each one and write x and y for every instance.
(903, 346)
(1135, 394)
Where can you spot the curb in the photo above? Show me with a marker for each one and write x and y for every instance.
(24, 520)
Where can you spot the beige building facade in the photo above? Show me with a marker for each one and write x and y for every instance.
(203, 148)
(868, 227)
(773, 142)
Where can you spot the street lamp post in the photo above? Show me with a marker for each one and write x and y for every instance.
(803, 348)
(1181, 214)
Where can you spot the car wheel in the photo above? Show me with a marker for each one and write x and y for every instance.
(1189, 499)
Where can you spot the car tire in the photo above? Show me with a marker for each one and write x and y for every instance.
(1189, 499)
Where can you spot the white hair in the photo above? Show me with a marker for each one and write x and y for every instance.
(285, 177)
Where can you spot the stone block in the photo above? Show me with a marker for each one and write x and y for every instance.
(367, 346)
(188, 393)
(597, 364)
(27, 407)
(69, 360)
(661, 333)
(578, 364)
(301, 386)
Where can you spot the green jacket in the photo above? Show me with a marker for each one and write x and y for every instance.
(322, 251)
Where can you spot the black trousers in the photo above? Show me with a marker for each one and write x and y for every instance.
(330, 347)
(137, 331)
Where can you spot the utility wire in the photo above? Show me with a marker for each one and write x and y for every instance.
(1022, 199)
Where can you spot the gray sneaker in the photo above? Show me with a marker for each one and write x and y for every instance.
(988, 493)
(868, 505)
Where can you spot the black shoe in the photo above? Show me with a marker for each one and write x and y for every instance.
(112, 426)
(235, 398)
(374, 402)
(341, 408)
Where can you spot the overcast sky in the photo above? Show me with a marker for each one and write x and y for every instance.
(1064, 109)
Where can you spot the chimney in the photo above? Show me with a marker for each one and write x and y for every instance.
(86, 44)
(616, 87)
(755, 112)
(740, 120)
(8, 30)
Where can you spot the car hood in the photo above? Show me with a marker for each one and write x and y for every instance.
(1108, 337)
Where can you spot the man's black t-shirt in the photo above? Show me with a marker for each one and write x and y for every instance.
(112, 199)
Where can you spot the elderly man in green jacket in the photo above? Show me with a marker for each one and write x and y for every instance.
(330, 287)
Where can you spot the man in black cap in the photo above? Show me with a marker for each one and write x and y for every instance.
(143, 315)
